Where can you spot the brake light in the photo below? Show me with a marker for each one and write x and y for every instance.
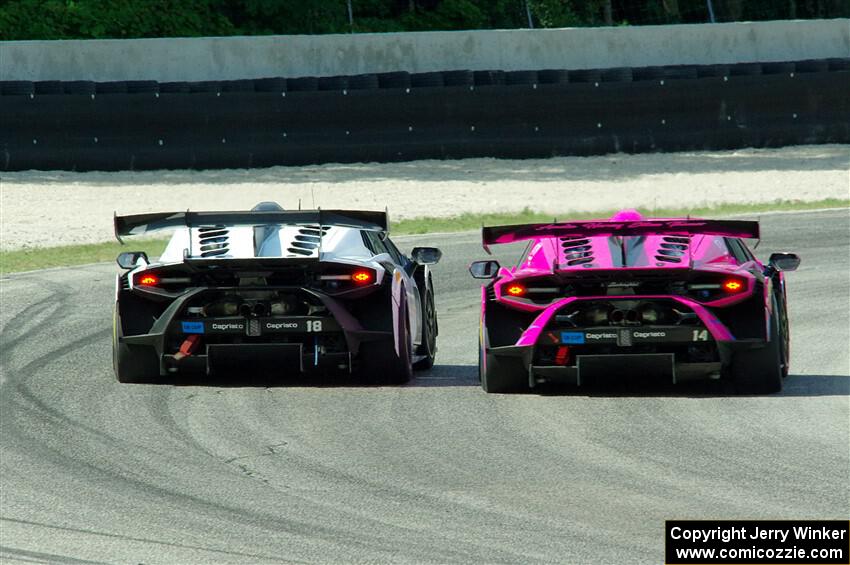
(147, 279)
(733, 286)
(362, 277)
(515, 289)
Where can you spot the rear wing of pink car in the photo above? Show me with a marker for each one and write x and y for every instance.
(728, 228)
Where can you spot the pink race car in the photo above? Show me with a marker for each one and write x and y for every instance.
(681, 299)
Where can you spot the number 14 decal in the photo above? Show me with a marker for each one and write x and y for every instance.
(700, 335)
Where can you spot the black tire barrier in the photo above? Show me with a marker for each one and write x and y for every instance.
(333, 83)
(399, 79)
(745, 69)
(586, 75)
(783, 68)
(705, 71)
(521, 77)
(16, 87)
(200, 129)
(621, 74)
(679, 72)
(553, 76)
(270, 84)
(111, 87)
(838, 64)
(363, 82)
(205, 86)
(649, 73)
(458, 78)
(78, 87)
(142, 87)
(426, 80)
(488, 78)
(48, 87)
(302, 84)
(242, 85)
(812, 66)
(174, 87)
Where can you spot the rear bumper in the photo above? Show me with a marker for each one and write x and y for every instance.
(258, 358)
(278, 345)
(618, 366)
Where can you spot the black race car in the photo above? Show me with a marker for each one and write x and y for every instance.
(273, 292)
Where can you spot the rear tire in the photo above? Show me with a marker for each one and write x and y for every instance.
(429, 330)
(379, 361)
(785, 332)
(759, 371)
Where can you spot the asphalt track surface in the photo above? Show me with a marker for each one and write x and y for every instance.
(92, 471)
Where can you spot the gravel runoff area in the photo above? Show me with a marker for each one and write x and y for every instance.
(42, 209)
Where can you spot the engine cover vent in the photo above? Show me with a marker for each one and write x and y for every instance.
(672, 249)
(308, 240)
(214, 241)
(577, 250)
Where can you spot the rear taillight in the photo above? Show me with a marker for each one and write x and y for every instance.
(363, 276)
(515, 290)
(734, 286)
(338, 279)
(146, 279)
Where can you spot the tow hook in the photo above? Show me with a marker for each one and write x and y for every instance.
(188, 347)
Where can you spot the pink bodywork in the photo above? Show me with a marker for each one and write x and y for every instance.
(546, 256)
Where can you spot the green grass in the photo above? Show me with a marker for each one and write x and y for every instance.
(33, 258)
(466, 222)
(42, 258)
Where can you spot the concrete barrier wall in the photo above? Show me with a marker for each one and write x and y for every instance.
(221, 58)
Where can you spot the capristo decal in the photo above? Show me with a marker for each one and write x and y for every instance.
(281, 325)
(590, 336)
(649, 334)
(227, 326)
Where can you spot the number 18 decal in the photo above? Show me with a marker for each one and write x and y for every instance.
(700, 335)
(314, 325)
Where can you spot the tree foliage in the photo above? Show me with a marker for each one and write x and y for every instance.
(98, 19)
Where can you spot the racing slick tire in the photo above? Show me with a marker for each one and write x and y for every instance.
(379, 361)
(501, 375)
(785, 332)
(429, 330)
(759, 371)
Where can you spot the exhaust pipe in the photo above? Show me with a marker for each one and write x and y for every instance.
(622, 317)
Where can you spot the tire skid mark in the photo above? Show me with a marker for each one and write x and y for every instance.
(161, 497)
(165, 415)
(320, 472)
(146, 540)
(242, 465)
(25, 392)
(436, 507)
(40, 557)
(62, 460)
(19, 327)
(271, 523)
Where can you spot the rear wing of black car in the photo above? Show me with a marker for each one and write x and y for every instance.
(728, 228)
(138, 224)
